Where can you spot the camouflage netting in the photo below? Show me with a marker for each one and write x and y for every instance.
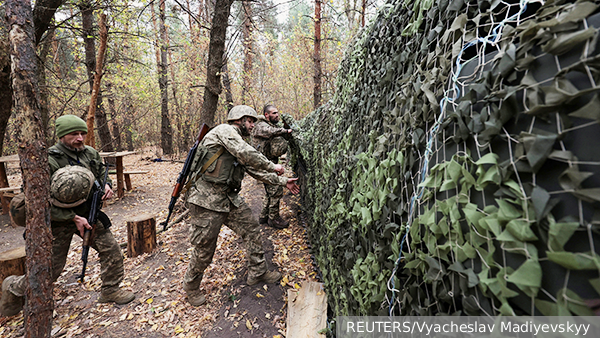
(456, 170)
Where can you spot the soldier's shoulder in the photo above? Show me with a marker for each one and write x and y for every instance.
(225, 129)
(54, 151)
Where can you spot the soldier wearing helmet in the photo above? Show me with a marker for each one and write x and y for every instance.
(221, 161)
(73, 168)
(269, 140)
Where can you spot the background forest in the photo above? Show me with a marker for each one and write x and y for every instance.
(154, 72)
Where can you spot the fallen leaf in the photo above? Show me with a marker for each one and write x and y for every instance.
(248, 324)
(258, 295)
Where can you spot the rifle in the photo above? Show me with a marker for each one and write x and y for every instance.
(185, 172)
(95, 206)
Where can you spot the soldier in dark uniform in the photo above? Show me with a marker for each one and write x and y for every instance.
(73, 168)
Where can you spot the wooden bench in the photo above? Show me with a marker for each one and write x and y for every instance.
(128, 178)
(10, 189)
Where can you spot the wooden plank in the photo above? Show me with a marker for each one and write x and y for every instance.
(307, 311)
(10, 189)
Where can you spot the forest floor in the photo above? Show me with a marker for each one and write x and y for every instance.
(160, 309)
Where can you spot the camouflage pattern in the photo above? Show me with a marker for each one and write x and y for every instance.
(204, 232)
(17, 209)
(70, 186)
(212, 205)
(109, 252)
(273, 196)
(216, 197)
(60, 156)
(263, 132)
(240, 111)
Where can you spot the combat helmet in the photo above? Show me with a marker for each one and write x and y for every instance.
(70, 186)
(240, 111)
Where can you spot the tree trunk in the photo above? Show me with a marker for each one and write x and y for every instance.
(94, 66)
(166, 133)
(216, 48)
(127, 122)
(116, 131)
(362, 13)
(34, 168)
(227, 85)
(317, 56)
(5, 87)
(42, 15)
(141, 235)
(247, 42)
(46, 44)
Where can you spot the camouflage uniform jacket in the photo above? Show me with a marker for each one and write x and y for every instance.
(60, 156)
(264, 131)
(216, 197)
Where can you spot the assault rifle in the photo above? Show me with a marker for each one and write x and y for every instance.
(95, 206)
(185, 172)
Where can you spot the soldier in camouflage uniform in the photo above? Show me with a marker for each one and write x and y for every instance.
(73, 168)
(221, 161)
(269, 140)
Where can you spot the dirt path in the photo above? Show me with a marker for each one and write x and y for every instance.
(233, 309)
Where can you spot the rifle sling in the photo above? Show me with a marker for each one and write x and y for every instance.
(211, 160)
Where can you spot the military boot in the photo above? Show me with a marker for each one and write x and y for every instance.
(263, 221)
(268, 277)
(278, 222)
(115, 295)
(10, 304)
(194, 295)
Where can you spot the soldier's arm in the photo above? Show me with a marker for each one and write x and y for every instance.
(265, 130)
(245, 153)
(267, 177)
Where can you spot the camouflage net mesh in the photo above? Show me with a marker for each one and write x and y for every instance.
(456, 169)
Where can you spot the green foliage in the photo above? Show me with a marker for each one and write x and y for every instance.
(441, 187)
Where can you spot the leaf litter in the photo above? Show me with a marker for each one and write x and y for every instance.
(160, 308)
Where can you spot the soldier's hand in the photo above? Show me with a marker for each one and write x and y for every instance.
(108, 193)
(289, 131)
(292, 186)
(279, 169)
(81, 223)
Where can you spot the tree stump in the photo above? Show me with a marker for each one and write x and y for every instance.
(12, 262)
(141, 235)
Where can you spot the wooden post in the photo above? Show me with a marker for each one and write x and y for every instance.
(307, 311)
(12, 262)
(141, 235)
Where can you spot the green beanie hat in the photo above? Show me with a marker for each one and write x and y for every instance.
(69, 123)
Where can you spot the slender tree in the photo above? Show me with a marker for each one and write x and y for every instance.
(318, 73)
(166, 132)
(216, 48)
(34, 168)
(91, 60)
(247, 26)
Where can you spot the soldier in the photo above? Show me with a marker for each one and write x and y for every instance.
(268, 139)
(222, 159)
(73, 168)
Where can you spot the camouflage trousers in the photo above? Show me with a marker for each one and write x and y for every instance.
(111, 258)
(270, 209)
(204, 232)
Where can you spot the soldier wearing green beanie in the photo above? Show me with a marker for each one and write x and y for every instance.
(70, 219)
(67, 124)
